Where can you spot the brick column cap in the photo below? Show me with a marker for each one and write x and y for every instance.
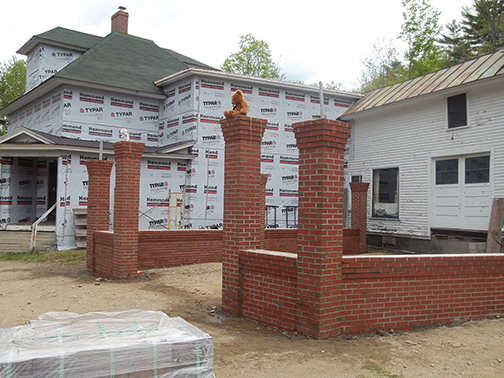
(321, 133)
(359, 187)
(243, 128)
(99, 167)
(125, 148)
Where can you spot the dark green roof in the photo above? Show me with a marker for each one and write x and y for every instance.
(117, 60)
(62, 36)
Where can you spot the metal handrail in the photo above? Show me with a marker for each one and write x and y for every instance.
(36, 223)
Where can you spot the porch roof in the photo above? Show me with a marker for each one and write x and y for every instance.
(27, 142)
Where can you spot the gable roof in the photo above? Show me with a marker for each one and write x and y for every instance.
(484, 67)
(24, 135)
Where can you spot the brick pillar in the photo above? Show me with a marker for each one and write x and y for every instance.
(126, 203)
(321, 146)
(243, 207)
(359, 211)
(262, 196)
(98, 209)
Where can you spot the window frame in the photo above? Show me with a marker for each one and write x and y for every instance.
(455, 106)
(379, 209)
(443, 176)
(481, 172)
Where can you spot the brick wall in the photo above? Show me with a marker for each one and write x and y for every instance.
(285, 240)
(171, 248)
(351, 241)
(104, 253)
(404, 292)
(268, 287)
(380, 292)
(281, 239)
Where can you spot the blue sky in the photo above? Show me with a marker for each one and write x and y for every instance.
(326, 41)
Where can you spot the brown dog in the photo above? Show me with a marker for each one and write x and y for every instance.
(241, 107)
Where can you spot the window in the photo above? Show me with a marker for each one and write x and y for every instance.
(457, 111)
(357, 178)
(386, 193)
(447, 172)
(477, 170)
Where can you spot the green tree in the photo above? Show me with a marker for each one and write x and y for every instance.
(253, 59)
(336, 86)
(483, 25)
(12, 84)
(332, 85)
(382, 67)
(419, 31)
(457, 49)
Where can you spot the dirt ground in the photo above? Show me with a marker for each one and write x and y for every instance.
(244, 348)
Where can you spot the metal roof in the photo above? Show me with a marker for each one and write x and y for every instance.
(484, 67)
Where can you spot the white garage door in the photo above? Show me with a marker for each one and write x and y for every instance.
(462, 195)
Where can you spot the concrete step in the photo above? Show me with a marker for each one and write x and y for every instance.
(81, 222)
(81, 244)
(80, 211)
(80, 232)
(19, 241)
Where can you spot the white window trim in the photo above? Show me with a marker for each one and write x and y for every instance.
(468, 113)
(372, 188)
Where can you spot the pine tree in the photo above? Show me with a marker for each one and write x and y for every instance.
(457, 49)
(483, 25)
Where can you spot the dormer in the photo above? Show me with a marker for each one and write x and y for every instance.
(49, 52)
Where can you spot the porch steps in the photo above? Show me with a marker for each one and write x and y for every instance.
(19, 241)
(80, 222)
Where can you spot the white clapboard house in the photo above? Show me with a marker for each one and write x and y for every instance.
(432, 149)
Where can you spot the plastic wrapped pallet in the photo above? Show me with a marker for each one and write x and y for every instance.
(133, 344)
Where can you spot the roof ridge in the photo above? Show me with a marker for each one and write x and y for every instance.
(479, 68)
(68, 30)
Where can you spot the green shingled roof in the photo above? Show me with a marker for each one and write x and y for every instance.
(62, 36)
(117, 60)
(123, 61)
(120, 61)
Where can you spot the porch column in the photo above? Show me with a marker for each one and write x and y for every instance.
(98, 209)
(359, 211)
(321, 144)
(126, 204)
(243, 207)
